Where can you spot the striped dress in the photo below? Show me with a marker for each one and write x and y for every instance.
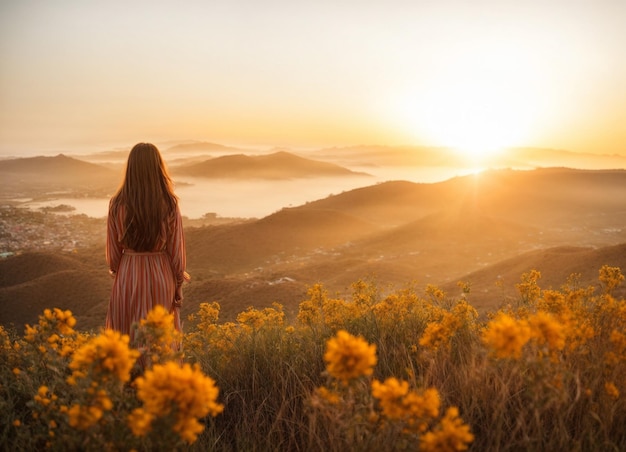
(144, 279)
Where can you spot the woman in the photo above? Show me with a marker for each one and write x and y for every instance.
(145, 246)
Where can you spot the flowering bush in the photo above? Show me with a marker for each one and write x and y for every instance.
(178, 396)
(72, 391)
(349, 357)
(387, 414)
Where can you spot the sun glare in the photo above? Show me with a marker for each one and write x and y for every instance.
(478, 115)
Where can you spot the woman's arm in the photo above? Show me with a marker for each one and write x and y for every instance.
(178, 255)
(113, 247)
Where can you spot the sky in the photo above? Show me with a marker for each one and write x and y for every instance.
(475, 75)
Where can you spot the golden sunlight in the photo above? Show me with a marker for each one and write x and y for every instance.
(477, 114)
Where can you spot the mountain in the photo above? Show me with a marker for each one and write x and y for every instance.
(55, 173)
(278, 165)
(199, 146)
(532, 196)
(377, 155)
(116, 156)
(542, 157)
(488, 227)
(424, 156)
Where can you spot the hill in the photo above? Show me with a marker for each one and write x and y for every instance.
(34, 281)
(525, 194)
(55, 173)
(29, 266)
(495, 284)
(480, 228)
(286, 235)
(278, 165)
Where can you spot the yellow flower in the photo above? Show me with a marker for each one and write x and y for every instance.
(226, 334)
(82, 417)
(65, 321)
(349, 357)
(107, 356)
(55, 326)
(254, 319)
(450, 435)
(547, 330)
(434, 335)
(465, 312)
(610, 277)
(30, 333)
(507, 336)
(330, 396)
(617, 351)
(439, 334)
(423, 405)
(528, 288)
(42, 397)
(390, 395)
(140, 421)
(320, 311)
(158, 317)
(399, 403)
(158, 336)
(182, 392)
(335, 312)
(611, 390)
(47, 313)
(208, 313)
(102, 400)
(552, 301)
(435, 293)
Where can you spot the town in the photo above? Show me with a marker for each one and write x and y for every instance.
(50, 229)
(58, 228)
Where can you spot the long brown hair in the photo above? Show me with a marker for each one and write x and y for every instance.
(147, 196)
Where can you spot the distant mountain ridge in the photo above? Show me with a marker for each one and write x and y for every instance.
(56, 172)
(429, 156)
(60, 163)
(199, 146)
(278, 165)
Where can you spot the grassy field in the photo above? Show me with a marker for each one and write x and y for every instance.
(413, 370)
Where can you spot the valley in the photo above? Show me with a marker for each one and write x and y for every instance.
(485, 229)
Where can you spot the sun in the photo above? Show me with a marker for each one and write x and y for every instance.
(478, 115)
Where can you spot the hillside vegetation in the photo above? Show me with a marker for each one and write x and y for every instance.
(407, 370)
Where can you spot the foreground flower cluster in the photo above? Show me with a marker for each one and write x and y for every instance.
(89, 401)
(400, 371)
(390, 408)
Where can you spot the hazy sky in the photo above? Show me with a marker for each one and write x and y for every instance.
(96, 74)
